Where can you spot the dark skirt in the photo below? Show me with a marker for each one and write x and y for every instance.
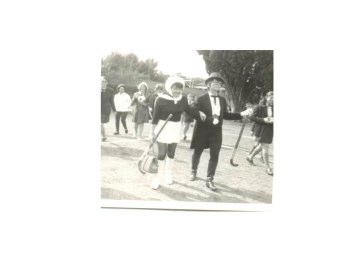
(264, 133)
(141, 115)
(188, 118)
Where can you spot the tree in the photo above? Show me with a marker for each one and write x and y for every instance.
(242, 70)
(131, 61)
(118, 68)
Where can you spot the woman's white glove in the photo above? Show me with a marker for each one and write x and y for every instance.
(247, 112)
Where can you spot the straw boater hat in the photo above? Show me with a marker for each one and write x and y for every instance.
(214, 75)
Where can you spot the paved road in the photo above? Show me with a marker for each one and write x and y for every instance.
(120, 178)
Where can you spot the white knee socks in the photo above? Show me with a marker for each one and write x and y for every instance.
(158, 178)
(168, 170)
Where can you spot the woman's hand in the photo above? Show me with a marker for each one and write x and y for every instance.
(268, 120)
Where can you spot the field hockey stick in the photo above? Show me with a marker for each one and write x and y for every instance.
(237, 144)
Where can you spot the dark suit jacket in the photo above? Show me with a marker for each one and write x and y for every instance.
(206, 134)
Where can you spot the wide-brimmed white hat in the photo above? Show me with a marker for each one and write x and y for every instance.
(171, 81)
(143, 83)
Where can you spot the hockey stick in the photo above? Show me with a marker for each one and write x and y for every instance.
(237, 144)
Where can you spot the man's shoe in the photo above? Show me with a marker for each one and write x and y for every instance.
(193, 176)
(210, 185)
(103, 139)
(116, 133)
(126, 131)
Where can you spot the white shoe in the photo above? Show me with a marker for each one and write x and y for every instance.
(168, 170)
(155, 183)
(157, 178)
(168, 179)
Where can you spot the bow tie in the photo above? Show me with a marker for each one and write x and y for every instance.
(214, 98)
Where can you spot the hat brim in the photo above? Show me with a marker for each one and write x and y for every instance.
(215, 77)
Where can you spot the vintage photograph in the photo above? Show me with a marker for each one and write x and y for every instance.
(191, 129)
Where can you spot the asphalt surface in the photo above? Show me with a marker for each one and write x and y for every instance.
(121, 179)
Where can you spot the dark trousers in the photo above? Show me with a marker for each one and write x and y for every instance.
(213, 161)
(121, 115)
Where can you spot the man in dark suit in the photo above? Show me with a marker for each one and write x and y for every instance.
(208, 134)
(107, 103)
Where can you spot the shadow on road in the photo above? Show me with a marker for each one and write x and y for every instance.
(198, 194)
(258, 196)
(115, 194)
(122, 152)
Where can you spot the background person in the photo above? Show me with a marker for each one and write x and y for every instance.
(187, 119)
(254, 127)
(141, 112)
(159, 89)
(263, 116)
(107, 103)
(122, 103)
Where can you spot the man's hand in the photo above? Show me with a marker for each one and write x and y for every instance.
(202, 116)
(247, 112)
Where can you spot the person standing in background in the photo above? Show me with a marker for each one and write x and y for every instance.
(107, 103)
(186, 119)
(263, 116)
(159, 89)
(122, 103)
(141, 113)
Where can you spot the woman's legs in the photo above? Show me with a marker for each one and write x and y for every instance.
(170, 162)
(136, 125)
(265, 151)
(140, 130)
(256, 144)
(254, 147)
(161, 166)
(117, 121)
(123, 120)
(103, 136)
(186, 128)
(250, 157)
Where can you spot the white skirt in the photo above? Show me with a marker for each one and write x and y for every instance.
(171, 132)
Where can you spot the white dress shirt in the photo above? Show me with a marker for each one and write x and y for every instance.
(215, 107)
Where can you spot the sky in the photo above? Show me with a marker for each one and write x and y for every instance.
(170, 61)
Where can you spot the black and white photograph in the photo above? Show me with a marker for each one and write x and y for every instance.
(177, 163)
(190, 129)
